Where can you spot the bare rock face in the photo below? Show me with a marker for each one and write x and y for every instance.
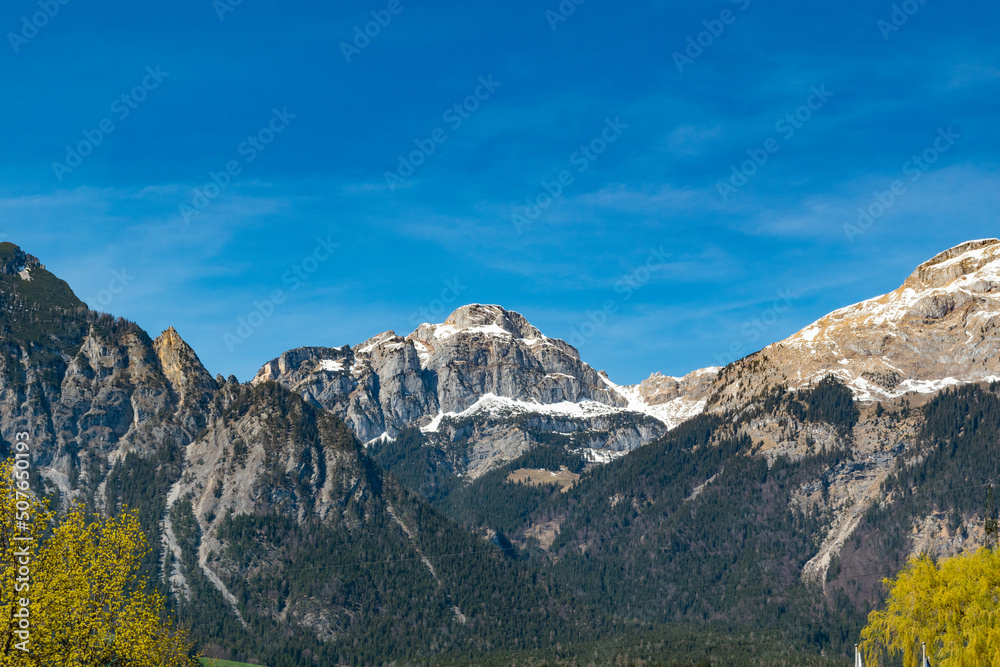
(483, 350)
(188, 378)
(111, 393)
(88, 388)
(659, 389)
(376, 387)
(938, 329)
(248, 460)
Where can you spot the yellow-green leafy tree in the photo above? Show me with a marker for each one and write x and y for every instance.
(87, 603)
(953, 606)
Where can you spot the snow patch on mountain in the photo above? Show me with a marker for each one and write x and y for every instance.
(423, 352)
(531, 342)
(599, 455)
(493, 406)
(670, 413)
(379, 440)
(332, 365)
(434, 424)
(447, 330)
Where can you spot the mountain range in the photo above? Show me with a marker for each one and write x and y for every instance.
(474, 491)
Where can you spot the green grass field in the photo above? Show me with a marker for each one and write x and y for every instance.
(212, 662)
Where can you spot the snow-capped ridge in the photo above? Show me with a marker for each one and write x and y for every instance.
(493, 406)
(966, 257)
(367, 346)
(668, 399)
(938, 329)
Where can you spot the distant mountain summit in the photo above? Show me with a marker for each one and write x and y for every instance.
(938, 329)
(487, 369)
(485, 318)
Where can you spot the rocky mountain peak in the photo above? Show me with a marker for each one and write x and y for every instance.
(658, 388)
(487, 376)
(477, 316)
(181, 365)
(13, 260)
(966, 259)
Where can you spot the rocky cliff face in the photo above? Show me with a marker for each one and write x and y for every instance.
(89, 388)
(114, 396)
(189, 380)
(267, 454)
(487, 376)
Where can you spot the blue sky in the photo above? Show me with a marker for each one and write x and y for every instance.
(644, 257)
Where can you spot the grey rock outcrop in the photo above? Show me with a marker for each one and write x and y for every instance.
(86, 387)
